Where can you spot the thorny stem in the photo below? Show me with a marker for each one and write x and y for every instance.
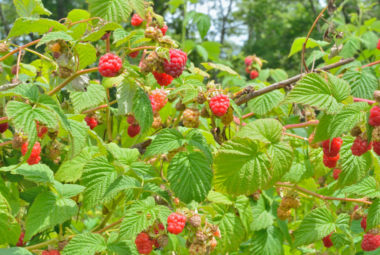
(16, 50)
(371, 102)
(99, 107)
(302, 125)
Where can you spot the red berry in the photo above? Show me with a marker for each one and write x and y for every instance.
(4, 127)
(41, 130)
(374, 116)
(219, 105)
(363, 223)
(158, 99)
(130, 119)
(35, 155)
(248, 61)
(45, 252)
(134, 54)
(254, 74)
(164, 29)
(247, 70)
(176, 223)
(330, 162)
(327, 241)
(163, 79)
(333, 149)
(136, 20)
(370, 242)
(359, 147)
(91, 122)
(378, 45)
(134, 130)
(143, 243)
(109, 65)
(55, 252)
(177, 63)
(336, 173)
(376, 147)
(217, 234)
(20, 242)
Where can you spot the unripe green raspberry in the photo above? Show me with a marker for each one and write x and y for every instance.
(197, 249)
(282, 213)
(150, 32)
(376, 95)
(191, 118)
(4, 48)
(228, 117)
(376, 134)
(64, 72)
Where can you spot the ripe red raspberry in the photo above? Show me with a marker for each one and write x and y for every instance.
(158, 99)
(35, 155)
(219, 105)
(4, 127)
(20, 242)
(370, 242)
(378, 45)
(41, 130)
(327, 241)
(254, 74)
(363, 223)
(177, 63)
(134, 130)
(163, 79)
(164, 29)
(91, 122)
(52, 252)
(109, 65)
(374, 116)
(134, 54)
(248, 61)
(336, 173)
(130, 119)
(176, 223)
(330, 162)
(359, 147)
(333, 149)
(143, 243)
(247, 70)
(136, 20)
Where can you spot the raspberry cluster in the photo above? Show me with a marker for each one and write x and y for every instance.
(41, 130)
(191, 118)
(327, 241)
(254, 74)
(370, 242)
(4, 127)
(91, 122)
(289, 202)
(330, 162)
(363, 223)
(360, 146)
(109, 65)
(52, 252)
(136, 20)
(158, 99)
(143, 243)
(197, 249)
(336, 173)
(20, 242)
(134, 130)
(333, 149)
(35, 155)
(219, 105)
(163, 79)
(177, 63)
(176, 223)
(374, 116)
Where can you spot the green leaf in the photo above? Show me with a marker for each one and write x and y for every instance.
(30, 8)
(343, 221)
(97, 177)
(350, 48)
(264, 130)
(121, 183)
(78, 142)
(263, 104)
(86, 54)
(53, 36)
(262, 217)
(301, 169)
(317, 54)
(30, 25)
(86, 244)
(203, 24)
(124, 157)
(57, 209)
(243, 206)
(167, 140)
(121, 36)
(363, 82)
(373, 218)
(190, 176)
(315, 226)
(311, 43)
(96, 35)
(219, 198)
(110, 10)
(281, 156)
(26, 90)
(366, 187)
(123, 247)
(268, 242)
(94, 96)
(49, 103)
(220, 67)
(321, 132)
(370, 40)
(195, 138)
(354, 168)
(10, 230)
(241, 168)
(79, 29)
(316, 159)
(125, 94)
(16, 251)
(340, 240)
(142, 109)
(314, 91)
(38, 173)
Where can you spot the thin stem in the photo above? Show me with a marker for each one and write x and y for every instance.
(18, 62)
(302, 125)
(142, 48)
(108, 44)
(296, 136)
(16, 50)
(109, 128)
(177, 120)
(370, 102)
(41, 245)
(184, 24)
(99, 107)
(109, 215)
(142, 58)
(36, 53)
(5, 143)
(109, 226)
(248, 115)
(83, 21)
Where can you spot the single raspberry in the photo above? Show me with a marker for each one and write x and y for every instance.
(333, 149)
(134, 54)
(162, 241)
(358, 213)
(363, 223)
(219, 105)
(136, 20)
(213, 244)
(356, 131)
(248, 61)
(370, 242)
(14, 70)
(180, 106)
(176, 223)
(42, 132)
(156, 122)
(164, 29)
(150, 32)
(64, 72)
(177, 63)
(56, 55)
(376, 147)
(197, 249)
(105, 36)
(247, 70)
(152, 63)
(163, 79)
(91, 122)
(330, 162)
(195, 220)
(143, 243)
(191, 118)
(256, 195)
(217, 233)
(176, 201)
(228, 117)
(336, 173)
(52, 252)
(56, 47)
(20, 242)
(374, 116)
(4, 48)
(378, 45)
(311, 144)
(201, 98)
(360, 146)
(254, 74)
(35, 155)
(327, 241)
(4, 127)
(109, 65)
(289, 202)
(134, 130)
(283, 213)
(158, 99)
(201, 237)
(130, 119)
